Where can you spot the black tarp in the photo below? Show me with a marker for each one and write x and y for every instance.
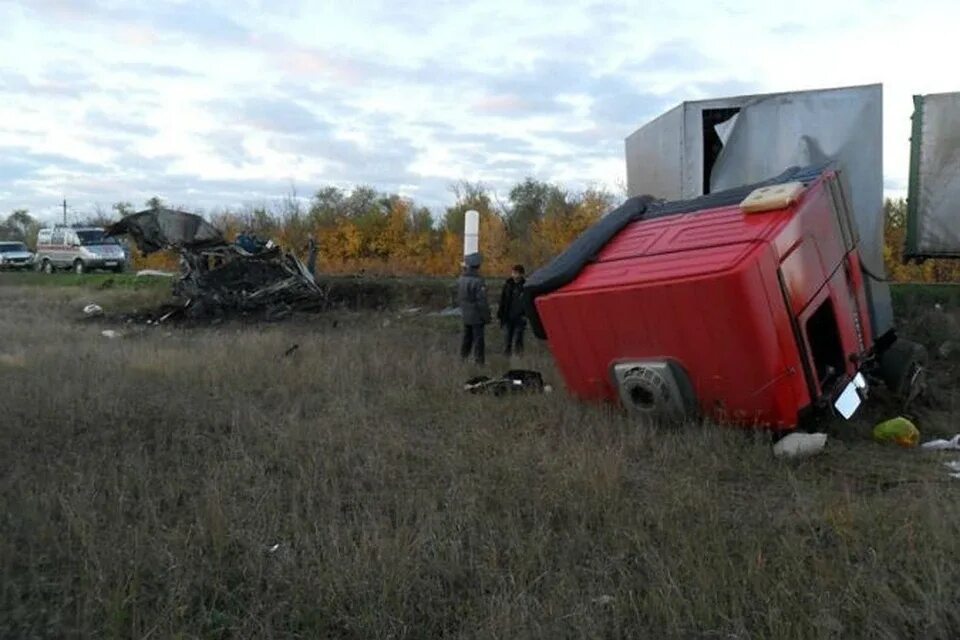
(567, 266)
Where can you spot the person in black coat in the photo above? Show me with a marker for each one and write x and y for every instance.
(472, 296)
(511, 313)
(312, 255)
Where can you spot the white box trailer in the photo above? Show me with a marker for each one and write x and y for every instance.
(710, 145)
(933, 205)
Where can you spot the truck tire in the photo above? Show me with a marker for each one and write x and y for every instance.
(658, 390)
(46, 267)
(78, 267)
(899, 365)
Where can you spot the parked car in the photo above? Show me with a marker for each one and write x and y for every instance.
(15, 255)
(80, 249)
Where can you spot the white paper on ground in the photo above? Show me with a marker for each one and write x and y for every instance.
(943, 445)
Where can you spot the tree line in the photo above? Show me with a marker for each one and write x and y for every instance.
(366, 230)
(363, 230)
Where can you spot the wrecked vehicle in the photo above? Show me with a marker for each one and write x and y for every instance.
(218, 277)
(750, 304)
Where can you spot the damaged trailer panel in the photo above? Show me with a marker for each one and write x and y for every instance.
(711, 145)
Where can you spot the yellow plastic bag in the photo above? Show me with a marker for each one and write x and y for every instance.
(898, 430)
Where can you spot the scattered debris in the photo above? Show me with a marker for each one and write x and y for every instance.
(291, 350)
(110, 333)
(800, 445)
(953, 465)
(898, 430)
(513, 381)
(410, 311)
(153, 273)
(167, 316)
(604, 600)
(449, 312)
(273, 548)
(218, 278)
(93, 310)
(953, 444)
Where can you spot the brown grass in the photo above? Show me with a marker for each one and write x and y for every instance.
(199, 484)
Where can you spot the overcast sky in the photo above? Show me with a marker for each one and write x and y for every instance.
(211, 104)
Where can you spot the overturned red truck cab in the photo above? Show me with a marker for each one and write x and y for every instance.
(746, 306)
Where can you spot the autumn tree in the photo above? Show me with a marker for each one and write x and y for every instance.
(363, 229)
(894, 240)
(122, 209)
(566, 216)
(154, 203)
(528, 205)
(493, 231)
(20, 225)
(326, 207)
(467, 195)
(100, 217)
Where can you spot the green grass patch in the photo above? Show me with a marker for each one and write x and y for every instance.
(86, 280)
(905, 295)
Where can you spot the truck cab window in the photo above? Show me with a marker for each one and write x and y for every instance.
(824, 339)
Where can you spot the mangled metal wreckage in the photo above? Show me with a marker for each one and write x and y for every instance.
(218, 277)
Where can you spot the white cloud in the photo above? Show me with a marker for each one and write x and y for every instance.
(213, 103)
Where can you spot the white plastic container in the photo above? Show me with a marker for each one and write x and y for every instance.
(800, 445)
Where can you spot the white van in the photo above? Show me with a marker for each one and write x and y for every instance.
(80, 249)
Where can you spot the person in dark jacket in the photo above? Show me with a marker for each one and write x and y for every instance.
(312, 256)
(511, 312)
(472, 296)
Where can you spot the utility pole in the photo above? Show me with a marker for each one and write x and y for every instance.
(64, 212)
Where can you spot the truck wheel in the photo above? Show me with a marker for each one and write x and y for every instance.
(78, 267)
(47, 267)
(118, 269)
(900, 364)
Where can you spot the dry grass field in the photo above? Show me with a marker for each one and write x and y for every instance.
(198, 483)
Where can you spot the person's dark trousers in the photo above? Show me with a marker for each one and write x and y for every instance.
(513, 337)
(473, 338)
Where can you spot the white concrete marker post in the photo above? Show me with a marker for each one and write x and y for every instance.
(471, 232)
